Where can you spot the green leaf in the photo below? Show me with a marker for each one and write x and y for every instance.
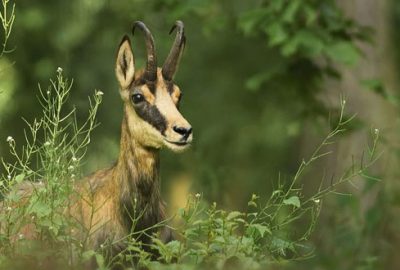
(100, 261)
(291, 10)
(234, 215)
(20, 177)
(294, 200)
(276, 34)
(310, 13)
(375, 85)
(174, 246)
(250, 20)
(309, 41)
(281, 245)
(40, 209)
(87, 255)
(290, 47)
(258, 229)
(255, 82)
(181, 212)
(344, 52)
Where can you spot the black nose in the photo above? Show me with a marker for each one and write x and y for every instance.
(185, 132)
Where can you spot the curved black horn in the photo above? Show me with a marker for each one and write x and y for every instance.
(171, 63)
(151, 66)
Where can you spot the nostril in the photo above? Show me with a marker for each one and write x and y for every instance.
(182, 131)
(179, 130)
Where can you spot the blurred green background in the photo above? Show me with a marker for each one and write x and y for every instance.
(261, 82)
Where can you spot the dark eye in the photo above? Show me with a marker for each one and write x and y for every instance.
(137, 98)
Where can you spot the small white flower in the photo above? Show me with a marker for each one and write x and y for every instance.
(343, 102)
(101, 246)
(376, 131)
(21, 236)
(71, 168)
(59, 70)
(9, 208)
(317, 201)
(198, 195)
(72, 230)
(80, 244)
(72, 175)
(99, 93)
(9, 177)
(48, 92)
(74, 159)
(135, 200)
(32, 217)
(47, 143)
(40, 182)
(10, 139)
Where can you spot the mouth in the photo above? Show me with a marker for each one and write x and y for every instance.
(178, 143)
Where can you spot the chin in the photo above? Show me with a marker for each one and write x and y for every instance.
(177, 148)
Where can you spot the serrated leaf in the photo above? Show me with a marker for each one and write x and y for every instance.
(294, 200)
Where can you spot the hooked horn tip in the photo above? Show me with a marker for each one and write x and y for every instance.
(137, 23)
(178, 24)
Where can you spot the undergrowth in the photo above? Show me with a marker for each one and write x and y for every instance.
(48, 164)
(7, 18)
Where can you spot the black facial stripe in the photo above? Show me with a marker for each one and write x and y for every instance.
(152, 115)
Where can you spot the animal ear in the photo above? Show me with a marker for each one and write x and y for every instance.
(125, 66)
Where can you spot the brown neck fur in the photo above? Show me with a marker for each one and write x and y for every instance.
(137, 175)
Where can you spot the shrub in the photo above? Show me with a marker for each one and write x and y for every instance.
(50, 157)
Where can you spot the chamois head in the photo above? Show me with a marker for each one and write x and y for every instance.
(151, 98)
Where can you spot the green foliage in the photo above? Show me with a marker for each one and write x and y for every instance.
(313, 30)
(207, 236)
(256, 66)
(7, 17)
(44, 168)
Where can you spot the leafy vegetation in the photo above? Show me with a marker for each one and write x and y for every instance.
(7, 17)
(49, 159)
(261, 70)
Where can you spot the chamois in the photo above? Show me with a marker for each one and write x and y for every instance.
(108, 199)
(151, 120)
